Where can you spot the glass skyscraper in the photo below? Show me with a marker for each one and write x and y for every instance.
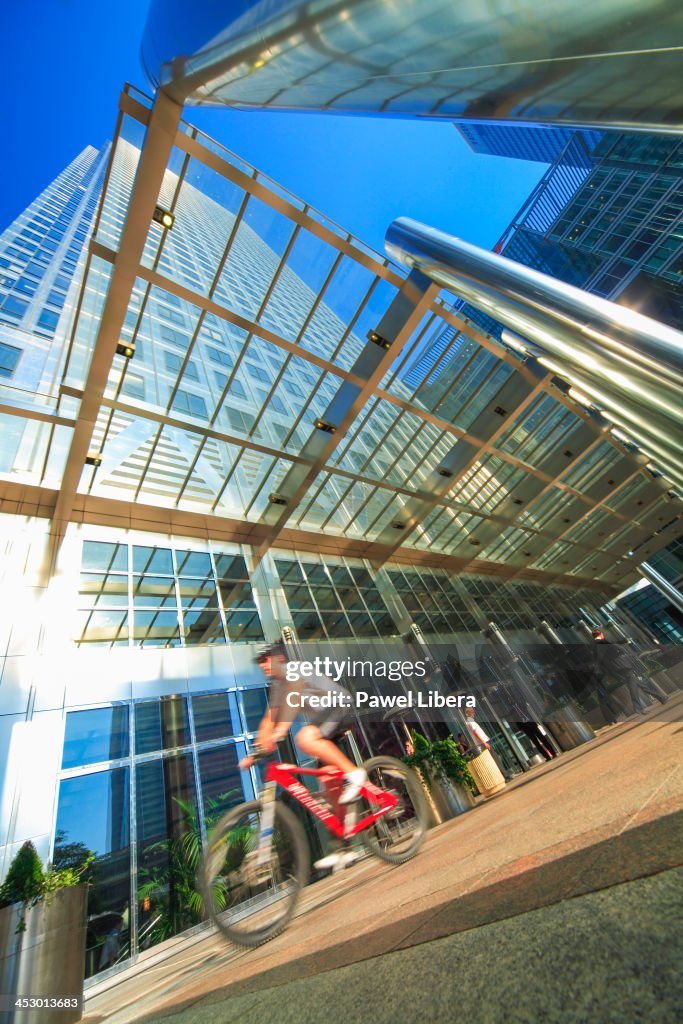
(537, 142)
(618, 232)
(223, 497)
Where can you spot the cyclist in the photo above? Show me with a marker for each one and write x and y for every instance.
(314, 738)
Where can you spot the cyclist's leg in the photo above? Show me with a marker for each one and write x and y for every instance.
(317, 740)
(311, 741)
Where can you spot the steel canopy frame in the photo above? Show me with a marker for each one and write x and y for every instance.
(371, 377)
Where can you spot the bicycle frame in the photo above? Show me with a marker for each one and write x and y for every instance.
(285, 775)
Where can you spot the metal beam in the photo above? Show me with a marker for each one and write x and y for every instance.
(391, 335)
(634, 362)
(155, 154)
(31, 501)
(664, 586)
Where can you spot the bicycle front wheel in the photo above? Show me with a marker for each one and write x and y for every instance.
(398, 835)
(250, 899)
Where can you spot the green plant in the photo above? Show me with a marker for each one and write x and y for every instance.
(26, 883)
(172, 883)
(439, 761)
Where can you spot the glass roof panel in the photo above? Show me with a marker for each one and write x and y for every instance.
(541, 429)
(367, 319)
(543, 508)
(292, 300)
(254, 258)
(32, 452)
(87, 326)
(592, 466)
(634, 494)
(205, 206)
(178, 416)
(407, 370)
(124, 166)
(262, 477)
(450, 530)
(510, 541)
(341, 300)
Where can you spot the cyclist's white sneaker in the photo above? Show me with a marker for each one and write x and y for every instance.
(337, 861)
(353, 783)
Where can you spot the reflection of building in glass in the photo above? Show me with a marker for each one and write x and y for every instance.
(540, 142)
(219, 495)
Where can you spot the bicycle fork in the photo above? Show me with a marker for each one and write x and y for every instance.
(265, 840)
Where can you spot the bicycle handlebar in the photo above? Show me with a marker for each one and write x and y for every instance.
(257, 753)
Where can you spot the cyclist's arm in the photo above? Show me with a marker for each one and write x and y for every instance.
(271, 729)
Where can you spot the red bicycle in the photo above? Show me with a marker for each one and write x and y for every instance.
(257, 858)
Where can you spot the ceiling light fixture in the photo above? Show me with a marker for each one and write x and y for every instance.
(163, 217)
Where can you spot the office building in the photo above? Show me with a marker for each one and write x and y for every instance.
(541, 143)
(218, 444)
(618, 233)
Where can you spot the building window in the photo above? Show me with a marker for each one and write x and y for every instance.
(93, 816)
(220, 357)
(14, 308)
(174, 337)
(9, 357)
(94, 735)
(133, 386)
(177, 600)
(240, 421)
(258, 373)
(48, 320)
(172, 315)
(193, 405)
(172, 362)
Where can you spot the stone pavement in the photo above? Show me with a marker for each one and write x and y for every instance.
(558, 899)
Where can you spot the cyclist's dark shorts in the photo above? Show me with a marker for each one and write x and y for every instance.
(331, 721)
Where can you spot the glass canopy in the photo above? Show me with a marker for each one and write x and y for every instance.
(248, 407)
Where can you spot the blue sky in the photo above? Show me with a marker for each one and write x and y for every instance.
(67, 60)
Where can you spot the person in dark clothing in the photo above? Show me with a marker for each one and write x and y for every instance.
(520, 717)
(616, 661)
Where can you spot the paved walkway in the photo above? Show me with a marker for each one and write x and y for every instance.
(555, 900)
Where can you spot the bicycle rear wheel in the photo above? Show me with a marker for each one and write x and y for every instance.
(252, 902)
(398, 835)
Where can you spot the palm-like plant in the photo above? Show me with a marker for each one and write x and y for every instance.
(173, 883)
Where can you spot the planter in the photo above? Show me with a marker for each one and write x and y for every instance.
(568, 729)
(440, 768)
(486, 773)
(47, 959)
(446, 800)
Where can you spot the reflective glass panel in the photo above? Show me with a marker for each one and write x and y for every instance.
(212, 718)
(97, 734)
(93, 816)
(161, 724)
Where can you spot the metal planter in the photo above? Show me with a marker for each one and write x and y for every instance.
(47, 958)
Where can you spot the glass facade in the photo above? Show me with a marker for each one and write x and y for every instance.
(262, 458)
(158, 596)
(541, 143)
(176, 766)
(617, 233)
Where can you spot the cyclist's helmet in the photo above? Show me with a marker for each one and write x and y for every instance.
(270, 651)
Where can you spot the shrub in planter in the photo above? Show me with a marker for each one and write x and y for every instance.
(24, 882)
(42, 933)
(440, 761)
(27, 883)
